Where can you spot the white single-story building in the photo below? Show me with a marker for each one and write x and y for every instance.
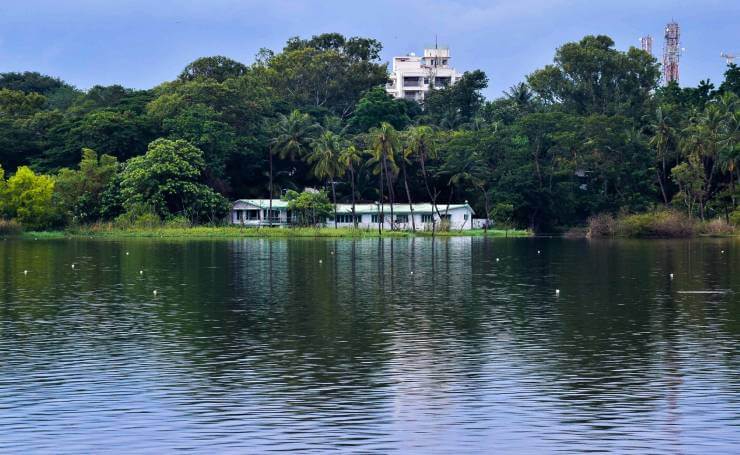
(254, 212)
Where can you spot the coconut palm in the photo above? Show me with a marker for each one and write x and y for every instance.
(384, 144)
(292, 135)
(324, 157)
(349, 159)
(663, 139)
(420, 142)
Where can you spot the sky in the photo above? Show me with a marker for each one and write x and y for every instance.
(141, 43)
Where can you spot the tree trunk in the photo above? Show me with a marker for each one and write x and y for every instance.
(432, 198)
(662, 189)
(390, 189)
(334, 196)
(270, 190)
(380, 207)
(352, 176)
(485, 202)
(408, 196)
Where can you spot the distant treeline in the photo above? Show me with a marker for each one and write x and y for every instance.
(594, 132)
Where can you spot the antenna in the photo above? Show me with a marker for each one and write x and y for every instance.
(646, 44)
(671, 52)
(728, 56)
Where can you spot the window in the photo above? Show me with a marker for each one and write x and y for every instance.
(344, 218)
(402, 218)
(275, 214)
(249, 215)
(376, 217)
(427, 218)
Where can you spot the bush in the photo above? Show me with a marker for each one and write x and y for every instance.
(178, 222)
(735, 218)
(602, 225)
(717, 226)
(666, 223)
(10, 227)
(138, 216)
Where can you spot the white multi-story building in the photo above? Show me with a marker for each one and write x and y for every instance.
(414, 76)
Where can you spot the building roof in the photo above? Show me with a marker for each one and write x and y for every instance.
(279, 204)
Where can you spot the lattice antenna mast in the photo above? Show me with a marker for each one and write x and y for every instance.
(671, 52)
(646, 44)
(728, 56)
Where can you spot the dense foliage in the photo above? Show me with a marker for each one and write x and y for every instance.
(592, 133)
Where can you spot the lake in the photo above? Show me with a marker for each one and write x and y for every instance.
(394, 345)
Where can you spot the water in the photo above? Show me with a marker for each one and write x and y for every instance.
(255, 345)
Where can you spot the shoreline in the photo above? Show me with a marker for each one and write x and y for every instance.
(206, 232)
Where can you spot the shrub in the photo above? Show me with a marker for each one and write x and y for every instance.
(666, 223)
(178, 222)
(717, 226)
(735, 218)
(602, 225)
(10, 227)
(138, 216)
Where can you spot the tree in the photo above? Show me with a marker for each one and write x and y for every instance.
(349, 159)
(376, 107)
(168, 180)
(664, 141)
(420, 143)
(218, 68)
(326, 73)
(590, 76)
(78, 193)
(309, 208)
(27, 197)
(691, 182)
(458, 103)
(292, 137)
(326, 165)
(384, 146)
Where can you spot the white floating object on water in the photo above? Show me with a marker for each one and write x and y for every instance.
(321, 261)
(723, 251)
(412, 272)
(141, 272)
(538, 251)
(557, 291)
(332, 252)
(25, 272)
(73, 266)
(671, 275)
(155, 292)
(126, 253)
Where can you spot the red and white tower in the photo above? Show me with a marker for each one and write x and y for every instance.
(646, 44)
(671, 52)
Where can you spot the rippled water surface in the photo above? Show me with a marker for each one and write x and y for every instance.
(405, 345)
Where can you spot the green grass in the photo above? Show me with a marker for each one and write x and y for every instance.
(108, 231)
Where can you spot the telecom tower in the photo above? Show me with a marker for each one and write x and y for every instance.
(646, 44)
(671, 52)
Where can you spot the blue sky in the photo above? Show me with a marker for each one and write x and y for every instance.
(140, 43)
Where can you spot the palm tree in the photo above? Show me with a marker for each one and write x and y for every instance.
(292, 135)
(384, 144)
(349, 158)
(466, 166)
(404, 159)
(325, 159)
(421, 144)
(729, 153)
(704, 138)
(663, 138)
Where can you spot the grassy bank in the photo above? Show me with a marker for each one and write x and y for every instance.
(660, 224)
(107, 231)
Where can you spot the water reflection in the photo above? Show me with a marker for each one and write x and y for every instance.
(380, 345)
